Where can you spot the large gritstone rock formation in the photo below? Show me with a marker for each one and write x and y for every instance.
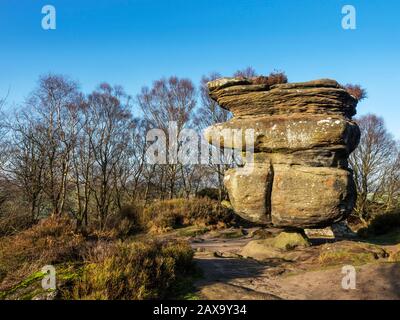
(303, 135)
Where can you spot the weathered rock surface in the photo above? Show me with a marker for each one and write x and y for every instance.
(244, 98)
(336, 230)
(310, 196)
(248, 188)
(299, 136)
(287, 134)
(279, 247)
(313, 272)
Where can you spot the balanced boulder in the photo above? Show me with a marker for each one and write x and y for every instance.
(299, 137)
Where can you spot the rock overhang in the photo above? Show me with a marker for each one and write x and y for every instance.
(243, 98)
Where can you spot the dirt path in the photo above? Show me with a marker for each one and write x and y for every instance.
(229, 276)
(373, 281)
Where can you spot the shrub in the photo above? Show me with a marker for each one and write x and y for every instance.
(356, 91)
(124, 228)
(168, 214)
(275, 77)
(133, 271)
(133, 213)
(349, 252)
(13, 223)
(120, 225)
(212, 193)
(249, 72)
(52, 240)
(382, 224)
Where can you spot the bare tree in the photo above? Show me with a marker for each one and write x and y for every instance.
(209, 114)
(369, 161)
(169, 100)
(28, 162)
(54, 106)
(391, 181)
(248, 72)
(128, 174)
(82, 167)
(3, 133)
(109, 127)
(356, 91)
(136, 159)
(44, 139)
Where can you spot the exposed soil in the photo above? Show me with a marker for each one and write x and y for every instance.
(228, 275)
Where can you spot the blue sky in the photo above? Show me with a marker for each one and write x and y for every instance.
(133, 42)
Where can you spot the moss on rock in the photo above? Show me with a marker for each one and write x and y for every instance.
(280, 247)
(290, 240)
(348, 252)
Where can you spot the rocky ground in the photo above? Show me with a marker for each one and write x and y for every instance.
(250, 263)
(314, 272)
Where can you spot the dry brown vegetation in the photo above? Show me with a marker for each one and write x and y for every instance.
(103, 267)
(382, 224)
(105, 262)
(356, 91)
(51, 241)
(165, 215)
(273, 78)
(133, 271)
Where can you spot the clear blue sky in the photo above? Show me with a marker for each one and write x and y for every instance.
(133, 42)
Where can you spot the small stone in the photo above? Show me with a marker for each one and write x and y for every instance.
(279, 247)
(290, 240)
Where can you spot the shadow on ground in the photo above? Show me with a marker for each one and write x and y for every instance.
(222, 277)
(315, 274)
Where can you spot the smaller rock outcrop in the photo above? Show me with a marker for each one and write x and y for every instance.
(278, 247)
